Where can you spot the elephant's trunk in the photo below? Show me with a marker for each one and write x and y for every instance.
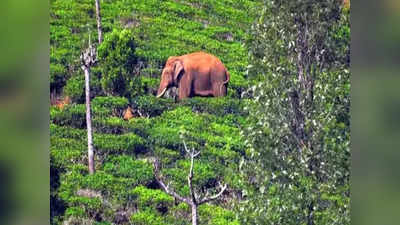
(161, 93)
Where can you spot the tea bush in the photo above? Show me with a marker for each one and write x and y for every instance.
(111, 144)
(217, 215)
(57, 78)
(215, 106)
(116, 104)
(125, 166)
(75, 115)
(147, 218)
(75, 88)
(152, 106)
(151, 198)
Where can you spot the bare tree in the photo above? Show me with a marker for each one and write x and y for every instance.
(88, 59)
(98, 18)
(194, 200)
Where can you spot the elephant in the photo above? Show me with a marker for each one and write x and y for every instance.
(195, 74)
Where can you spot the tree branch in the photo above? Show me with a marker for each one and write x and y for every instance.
(207, 199)
(190, 177)
(165, 187)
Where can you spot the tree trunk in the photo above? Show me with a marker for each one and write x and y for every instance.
(98, 18)
(89, 122)
(194, 214)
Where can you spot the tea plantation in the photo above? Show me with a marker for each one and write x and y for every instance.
(139, 37)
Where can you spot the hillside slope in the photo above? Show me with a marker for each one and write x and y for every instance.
(123, 189)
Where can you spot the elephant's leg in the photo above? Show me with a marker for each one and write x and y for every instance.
(185, 87)
(219, 89)
(183, 93)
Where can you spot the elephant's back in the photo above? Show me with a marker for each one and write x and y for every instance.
(203, 61)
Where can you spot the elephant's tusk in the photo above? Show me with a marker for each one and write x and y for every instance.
(162, 93)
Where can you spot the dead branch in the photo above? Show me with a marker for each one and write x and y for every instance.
(165, 187)
(214, 197)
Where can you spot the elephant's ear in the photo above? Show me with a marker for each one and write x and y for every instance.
(178, 70)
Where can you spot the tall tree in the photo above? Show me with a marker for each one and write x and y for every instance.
(88, 59)
(297, 167)
(98, 18)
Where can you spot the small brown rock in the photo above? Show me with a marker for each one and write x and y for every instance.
(128, 113)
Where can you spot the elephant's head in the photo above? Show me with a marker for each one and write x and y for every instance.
(170, 75)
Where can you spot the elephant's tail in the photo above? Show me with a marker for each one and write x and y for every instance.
(228, 77)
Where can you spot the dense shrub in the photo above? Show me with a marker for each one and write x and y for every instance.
(167, 156)
(116, 104)
(147, 217)
(152, 106)
(75, 115)
(140, 126)
(110, 125)
(153, 198)
(125, 166)
(57, 76)
(104, 143)
(65, 157)
(216, 215)
(75, 86)
(150, 84)
(206, 175)
(216, 106)
(67, 132)
(111, 144)
(117, 57)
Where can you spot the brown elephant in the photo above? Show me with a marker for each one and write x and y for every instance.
(195, 74)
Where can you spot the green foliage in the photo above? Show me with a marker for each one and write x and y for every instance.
(89, 205)
(151, 198)
(65, 152)
(147, 218)
(125, 143)
(216, 106)
(167, 156)
(297, 136)
(152, 106)
(75, 88)
(117, 56)
(117, 104)
(75, 115)
(205, 174)
(57, 79)
(110, 125)
(75, 212)
(125, 166)
(216, 215)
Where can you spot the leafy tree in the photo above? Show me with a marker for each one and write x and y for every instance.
(117, 57)
(296, 169)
